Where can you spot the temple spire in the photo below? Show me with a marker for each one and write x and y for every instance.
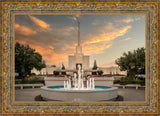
(79, 47)
(78, 33)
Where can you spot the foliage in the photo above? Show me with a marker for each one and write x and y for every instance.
(123, 81)
(26, 59)
(117, 81)
(95, 65)
(132, 62)
(29, 80)
(63, 68)
(94, 68)
(129, 80)
(53, 65)
(55, 72)
(33, 74)
(100, 72)
(142, 82)
(94, 73)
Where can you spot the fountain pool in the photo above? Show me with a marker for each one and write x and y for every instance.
(72, 88)
(100, 93)
(76, 89)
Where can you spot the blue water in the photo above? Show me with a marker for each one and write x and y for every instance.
(62, 87)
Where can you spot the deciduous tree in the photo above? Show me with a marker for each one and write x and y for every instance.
(132, 62)
(26, 59)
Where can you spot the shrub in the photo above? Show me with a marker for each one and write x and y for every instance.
(142, 82)
(33, 73)
(123, 81)
(55, 72)
(94, 73)
(129, 80)
(100, 72)
(18, 81)
(63, 73)
(117, 81)
(29, 80)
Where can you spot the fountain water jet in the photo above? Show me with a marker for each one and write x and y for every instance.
(79, 82)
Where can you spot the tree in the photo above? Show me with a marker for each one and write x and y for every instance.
(100, 72)
(63, 68)
(55, 72)
(95, 65)
(132, 62)
(94, 68)
(26, 59)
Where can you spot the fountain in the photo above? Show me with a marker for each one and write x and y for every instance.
(79, 91)
(79, 82)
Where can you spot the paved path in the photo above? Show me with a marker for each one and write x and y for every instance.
(129, 94)
(26, 94)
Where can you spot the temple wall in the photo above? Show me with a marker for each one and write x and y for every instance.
(85, 62)
(71, 62)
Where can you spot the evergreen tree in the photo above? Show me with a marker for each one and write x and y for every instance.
(63, 68)
(94, 68)
(95, 65)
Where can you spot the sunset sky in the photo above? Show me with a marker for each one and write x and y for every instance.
(103, 37)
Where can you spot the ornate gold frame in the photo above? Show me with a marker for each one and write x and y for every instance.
(10, 9)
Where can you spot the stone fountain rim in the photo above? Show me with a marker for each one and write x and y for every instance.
(79, 91)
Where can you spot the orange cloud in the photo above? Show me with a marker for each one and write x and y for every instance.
(66, 31)
(128, 20)
(39, 22)
(95, 43)
(48, 54)
(138, 18)
(51, 47)
(21, 42)
(106, 37)
(70, 48)
(24, 30)
(52, 57)
(127, 39)
(74, 17)
(95, 49)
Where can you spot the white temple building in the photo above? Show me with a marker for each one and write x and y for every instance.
(113, 70)
(79, 57)
(45, 71)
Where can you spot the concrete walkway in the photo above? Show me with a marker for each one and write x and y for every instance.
(129, 94)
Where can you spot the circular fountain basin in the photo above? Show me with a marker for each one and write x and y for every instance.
(100, 93)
